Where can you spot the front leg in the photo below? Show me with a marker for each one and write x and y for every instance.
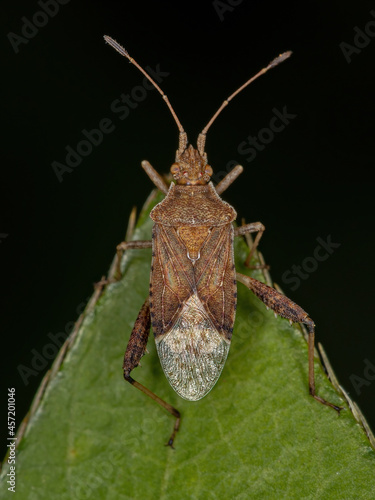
(229, 179)
(286, 308)
(156, 178)
(134, 351)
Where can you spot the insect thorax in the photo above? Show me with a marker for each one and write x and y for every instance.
(193, 206)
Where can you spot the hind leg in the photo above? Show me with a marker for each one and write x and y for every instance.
(286, 308)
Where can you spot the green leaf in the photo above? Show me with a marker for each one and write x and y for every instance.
(257, 434)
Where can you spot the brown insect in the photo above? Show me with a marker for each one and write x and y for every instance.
(193, 284)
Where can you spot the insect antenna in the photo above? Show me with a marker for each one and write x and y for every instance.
(183, 137)
(202, 136)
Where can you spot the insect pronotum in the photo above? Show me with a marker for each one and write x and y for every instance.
(193, 283)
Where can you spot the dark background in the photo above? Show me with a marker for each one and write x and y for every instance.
(313, 180)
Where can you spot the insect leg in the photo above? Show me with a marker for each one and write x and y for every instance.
(115, 271)
(134, 351)
(286, 308)
(228, 179)
(251, 228)
(127, 245)
(156, 178)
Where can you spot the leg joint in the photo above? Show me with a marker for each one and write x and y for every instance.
(128, 378)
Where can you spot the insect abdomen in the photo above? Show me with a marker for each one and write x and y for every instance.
(192, 353)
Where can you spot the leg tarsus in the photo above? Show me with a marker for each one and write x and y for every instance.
(173, 411)
(311, 345)
(101, 284)
(326, 403)
(175, 430)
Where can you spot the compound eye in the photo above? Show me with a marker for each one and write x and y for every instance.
(208, 170)
(175, 169)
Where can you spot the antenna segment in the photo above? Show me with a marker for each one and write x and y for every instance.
(202, 136)
(123, 52)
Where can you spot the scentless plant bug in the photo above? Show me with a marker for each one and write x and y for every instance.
(193, 284)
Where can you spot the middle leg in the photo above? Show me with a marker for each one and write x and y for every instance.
(254, 227)
(127, 245)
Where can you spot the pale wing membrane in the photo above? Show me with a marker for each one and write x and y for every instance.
(192, 353)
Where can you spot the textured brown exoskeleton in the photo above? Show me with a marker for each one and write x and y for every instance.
(193, 290)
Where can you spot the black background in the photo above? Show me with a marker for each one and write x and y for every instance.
(313, 180)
